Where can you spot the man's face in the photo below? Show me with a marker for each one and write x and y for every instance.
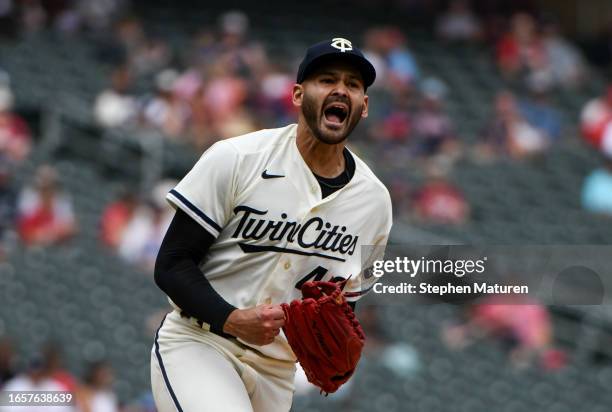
(332, 101)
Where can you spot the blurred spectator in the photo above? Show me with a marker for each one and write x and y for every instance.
(115, 107)
(151, 56)
(226, 75)
(459, 23)
(394, 123)
(539, 113)
(68, 20)
(225, 96)
(116, 216)
(509, 133)
(595, 118)
(129, 36)
(275, 95)
(433, 128)
(402, 65)
(98, 15)
(395, 64)
(597, 190)
(566, 63)
(521, 51)
(137, 234)
(97, 394)
(203, 49)
(8, 368)
(522, 324)
(438, 201)
(67, 16)
(244, 57)
(53, 362)
(143, 54)
(539, 53)
(166, 111)
(143, 236)
(15, 139)
(45, 212)
(35, 378)
(200, 130)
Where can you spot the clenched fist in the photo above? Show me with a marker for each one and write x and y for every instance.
(258, 325)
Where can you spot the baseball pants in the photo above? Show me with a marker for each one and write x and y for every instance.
(193, 369)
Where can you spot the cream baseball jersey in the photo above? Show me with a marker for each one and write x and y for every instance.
(273, 230)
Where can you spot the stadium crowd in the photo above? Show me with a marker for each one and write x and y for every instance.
(44, 371)
(225, 84)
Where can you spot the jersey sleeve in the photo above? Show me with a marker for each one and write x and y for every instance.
(206, 193)
(359, 285)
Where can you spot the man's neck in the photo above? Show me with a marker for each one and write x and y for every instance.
(323, 159)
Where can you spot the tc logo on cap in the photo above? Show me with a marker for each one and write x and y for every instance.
(342, 44)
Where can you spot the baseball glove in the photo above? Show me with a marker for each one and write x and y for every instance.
(324, 334)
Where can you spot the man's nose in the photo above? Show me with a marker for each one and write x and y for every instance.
(340, 90)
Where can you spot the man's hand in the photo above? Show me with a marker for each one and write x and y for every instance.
(258, 325)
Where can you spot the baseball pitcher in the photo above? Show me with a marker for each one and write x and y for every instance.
(262, 261)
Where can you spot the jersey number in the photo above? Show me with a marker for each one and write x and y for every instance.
(317, 274)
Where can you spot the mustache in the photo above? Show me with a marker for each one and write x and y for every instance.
(337, 99)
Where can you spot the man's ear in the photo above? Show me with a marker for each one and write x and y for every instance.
(297, 95)
(364, 111)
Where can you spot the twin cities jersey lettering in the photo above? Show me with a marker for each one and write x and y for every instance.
(315, 234)
(273, 230)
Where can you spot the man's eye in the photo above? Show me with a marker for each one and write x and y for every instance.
(327, 80)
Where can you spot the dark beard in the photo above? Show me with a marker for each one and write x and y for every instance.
(311, 115)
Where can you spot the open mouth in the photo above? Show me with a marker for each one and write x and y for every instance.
(336, 113)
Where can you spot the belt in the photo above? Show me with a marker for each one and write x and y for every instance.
(204, 325)
(198, 322)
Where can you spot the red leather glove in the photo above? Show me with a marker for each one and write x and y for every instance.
(324, 334)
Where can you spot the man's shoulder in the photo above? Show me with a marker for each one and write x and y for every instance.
(366, 173)
(377, 192)
(261, 140)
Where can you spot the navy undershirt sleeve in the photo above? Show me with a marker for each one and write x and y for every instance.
(177, 272)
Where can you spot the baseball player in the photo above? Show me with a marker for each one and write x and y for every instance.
(257, 217)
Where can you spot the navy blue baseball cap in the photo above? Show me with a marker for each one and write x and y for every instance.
(330, 50)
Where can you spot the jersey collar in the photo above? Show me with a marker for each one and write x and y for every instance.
(305, 180)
